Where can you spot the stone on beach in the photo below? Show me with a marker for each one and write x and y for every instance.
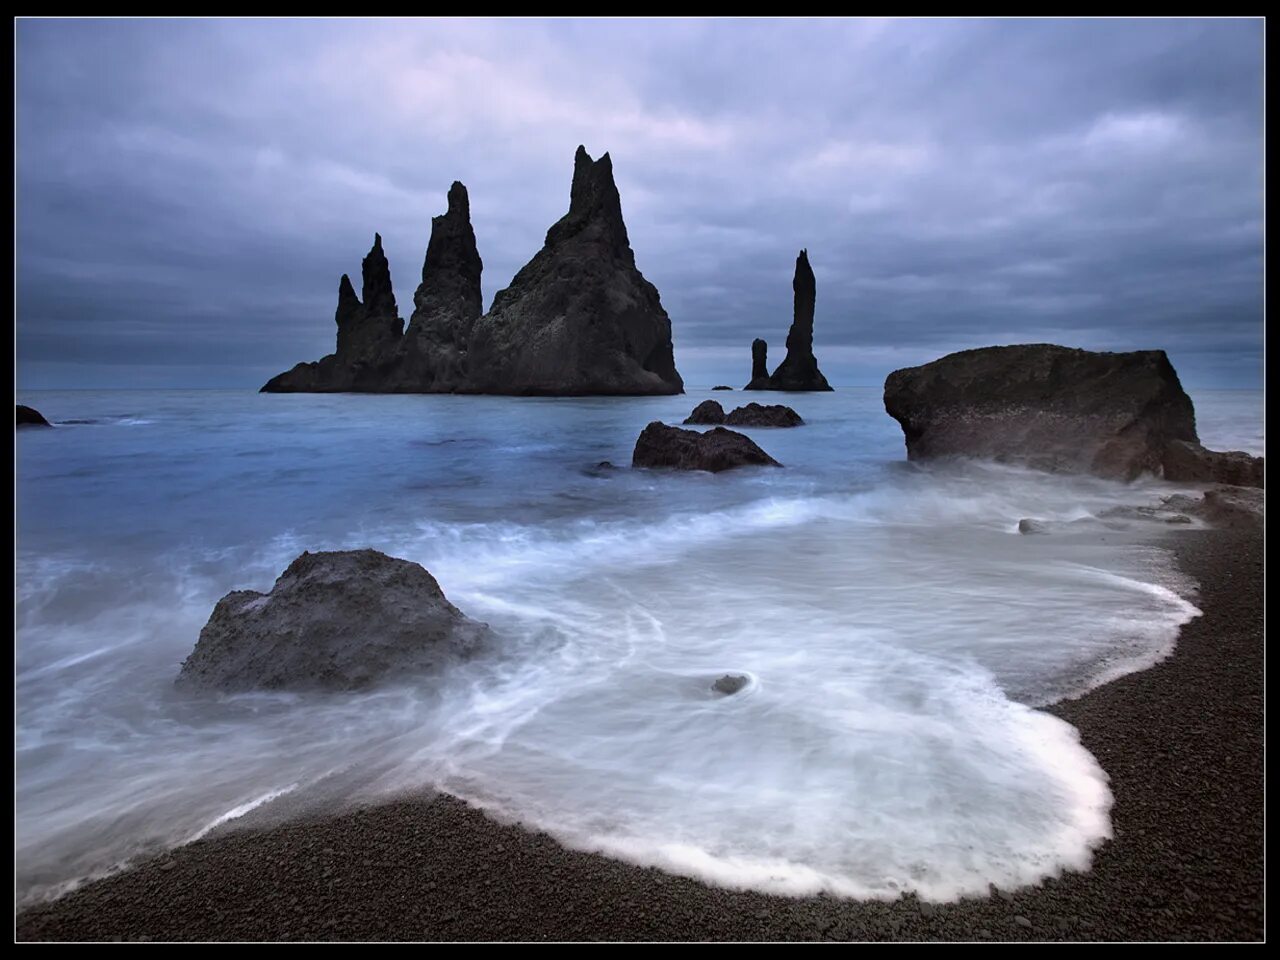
(339, 620)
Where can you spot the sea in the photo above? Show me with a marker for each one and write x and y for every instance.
(899, 635)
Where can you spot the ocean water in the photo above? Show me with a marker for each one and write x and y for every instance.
(898, 633)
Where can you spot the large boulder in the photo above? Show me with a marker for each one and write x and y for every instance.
(763, 415)
(718, 449)
(338, 620)
(433, 354)
(579, 318)
(1190, 462)
(29, 417)
(369, 332)
(707, 413)
(1050, 407)
(799, 370)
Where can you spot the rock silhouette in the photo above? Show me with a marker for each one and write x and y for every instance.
(717, 449)
(799, 370)
(759, 365)
(29, 417)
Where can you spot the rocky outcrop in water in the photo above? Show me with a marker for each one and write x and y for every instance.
(799, 371)
(337, 621)
(1190, 462)
(29, 417)
(579, 318)
(1049, 407)
(722, 387)
(764, 415)
(707, 412)
(759, 365)
(729, 684)
(369, 333)
(717, 449)
(432, 356)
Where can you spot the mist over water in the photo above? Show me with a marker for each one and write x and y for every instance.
(897, 631)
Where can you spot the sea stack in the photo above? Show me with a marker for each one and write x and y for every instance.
(579, 318)
(368, 334)
(799, 371)
(1054, 408)
(433, 354)
(759, 365)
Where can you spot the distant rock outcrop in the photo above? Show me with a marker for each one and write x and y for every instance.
(579, 318)
(764, 415)
(337, 621)
(717, 449)
(29, 417)
(722, 387)
(368, 335)
(707, 412)
(433, 354)
(759, 365)
(1050, 407)
(1190, 462)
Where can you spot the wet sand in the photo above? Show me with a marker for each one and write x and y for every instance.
(1182, 743)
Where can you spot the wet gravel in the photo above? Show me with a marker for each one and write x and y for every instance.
(1182, 742)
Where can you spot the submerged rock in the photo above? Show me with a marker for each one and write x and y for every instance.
(1027, 525)
(29, 417)
(579, 318)
(799, 371)
(338, 620)
(368, 335)
(717, 449)
(729, 684)
(722, 387)
(1049, 407)
(763, 415)
(1188, 461)
(707, 412)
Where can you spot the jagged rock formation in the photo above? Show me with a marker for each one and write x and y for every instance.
(759, 366)
(717, 449)
(1185, 461)
(764, 415)
(337, 621)
(1050, 407)
(579, 318)
(433, 354)
(707, 412)
(29, 417)
(368, 335)
(799, 370)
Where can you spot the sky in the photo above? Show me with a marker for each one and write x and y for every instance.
(189, 192)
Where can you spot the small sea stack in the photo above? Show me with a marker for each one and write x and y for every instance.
(759, 366)
(715, 450)
(799, 370)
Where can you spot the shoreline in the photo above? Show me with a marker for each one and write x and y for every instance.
(1185, 863)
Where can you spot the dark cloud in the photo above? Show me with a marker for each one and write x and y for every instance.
(189, 192)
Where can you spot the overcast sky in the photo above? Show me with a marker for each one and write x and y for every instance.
(189, 192)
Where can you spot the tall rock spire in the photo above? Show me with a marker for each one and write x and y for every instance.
(799, 371)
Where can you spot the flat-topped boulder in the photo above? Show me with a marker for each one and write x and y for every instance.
(764, 415)
(722, 387)
(1049, 407)
(29, 417)
(717, 449)
(340, 620)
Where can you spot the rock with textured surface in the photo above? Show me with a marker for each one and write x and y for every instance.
(799, 371)
(730, 684)
(338, 620)
(708, 412)
(1046, 406)
(1187, 461)
(433, 353)
(578, 319)
(29, 417)
(763, 415)
(368, 335)
(717, 449)
(759, 365)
